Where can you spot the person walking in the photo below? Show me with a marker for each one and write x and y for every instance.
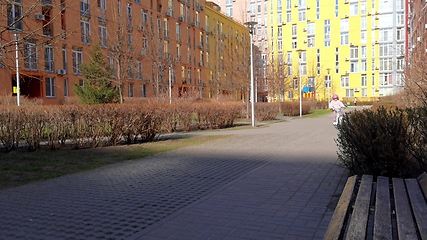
(355, 101)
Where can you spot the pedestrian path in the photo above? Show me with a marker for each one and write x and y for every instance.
(279, 181)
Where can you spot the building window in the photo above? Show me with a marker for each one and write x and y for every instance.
(363, 81)
(77, 60)
(102, 4)
(143, 91)
(103, 36)
(64, 58)
(129, 15)
(349, 92)
(354, 66)
(138, 70)
(30, 56)
(354, 52)
(48, 58)
(85, 26)
(50, 87)
(345, 81)
(65, 87)
(130, 90)
(327, 30)
(14, 14)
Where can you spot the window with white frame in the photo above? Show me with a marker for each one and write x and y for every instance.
(327, 33)
(102, 36)
(386, 79)
(288, 17)
(85, 30)
(311, 42)
(363, 80)
(354, 8)
(363, 51)
(113, 66)
(363, 24)
(364, 92)
(279, 45)
(77, 60)
(354, 52)
(138, 70)
(386, 64)
(363, 8)
(354, 66)
(130, 90)
(373, 80)
(386, 35)
(50, 87)
(349, 92)
(102, 4)
(48, 58)
(295, 83)
(129, 14)
(363, 66)
(294, 30)
(363, 37)
(302, 15)
(345, 81)
(14, 14)
(294, 44)
(399, 79)
(30, 56)
(400, 34)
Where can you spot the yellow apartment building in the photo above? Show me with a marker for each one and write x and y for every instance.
(228, 56)
(355, 48)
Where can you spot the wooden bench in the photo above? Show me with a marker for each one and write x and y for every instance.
(381, 208)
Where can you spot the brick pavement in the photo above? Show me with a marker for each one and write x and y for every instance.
(279, 181)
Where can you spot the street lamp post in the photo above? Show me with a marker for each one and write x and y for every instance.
(329, 85)
(18, 90)
(170, 84)
(251, 30)
(300, 82)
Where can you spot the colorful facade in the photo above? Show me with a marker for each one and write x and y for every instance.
(228, 55)
(150, 45)
(362, 43)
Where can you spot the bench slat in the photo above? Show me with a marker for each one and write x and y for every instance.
(382, 219)
(405, 223)
(359, 218)
(422, 179)
(336, 224)
(419, 206)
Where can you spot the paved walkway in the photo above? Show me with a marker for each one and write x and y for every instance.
(279, 181)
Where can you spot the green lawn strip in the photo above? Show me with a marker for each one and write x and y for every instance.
(318, 113)
(18, 167)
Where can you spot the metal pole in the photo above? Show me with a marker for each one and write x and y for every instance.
(18, 90)
(170, 85)
(252, 85)
(300, 87)
(329, 88)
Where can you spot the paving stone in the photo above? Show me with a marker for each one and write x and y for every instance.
(274, 182)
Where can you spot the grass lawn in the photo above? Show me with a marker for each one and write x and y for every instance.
(21, 167)
(318, 113)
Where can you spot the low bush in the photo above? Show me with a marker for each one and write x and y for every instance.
(386, 142)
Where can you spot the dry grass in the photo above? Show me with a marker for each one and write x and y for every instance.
(18, 167)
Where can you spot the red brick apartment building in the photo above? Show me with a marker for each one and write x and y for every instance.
(417, 19)
(148, 43)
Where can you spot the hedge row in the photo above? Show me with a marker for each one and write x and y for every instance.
(82, 126)
(384, 142)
